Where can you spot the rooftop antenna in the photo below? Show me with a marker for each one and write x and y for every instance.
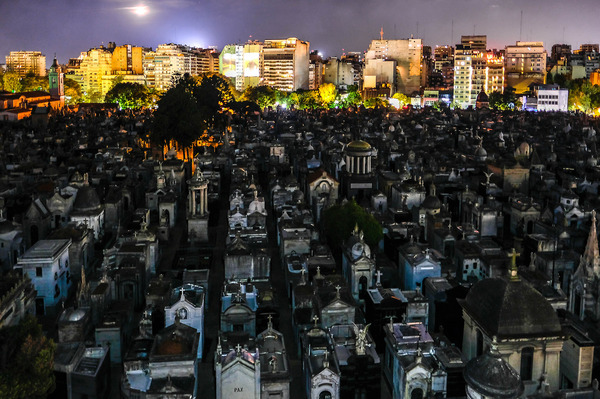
(521, 29)
(452, 34)
(381, 33)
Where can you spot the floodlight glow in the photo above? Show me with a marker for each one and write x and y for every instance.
(140, 10)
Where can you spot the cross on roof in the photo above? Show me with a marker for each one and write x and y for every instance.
(315, 319)
(238, 349)
(378, 274)
(337, 288)
(513, 265)
(270, 322)
(391, 317)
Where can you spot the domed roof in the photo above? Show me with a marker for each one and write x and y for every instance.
(482, 97)
(87, 199)
(511, 308)
(491, 376)
(480, 152)
(359, 145)
(432, 202)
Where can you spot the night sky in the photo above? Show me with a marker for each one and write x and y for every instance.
(67, 27)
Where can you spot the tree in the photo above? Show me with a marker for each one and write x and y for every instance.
(376, 102)
(92, 97)
(328, 93)
(496, 100)
(584, 97)
(353, 97)
(26, 361)
(213, 90)
(178, 117)
(263, 96)
(309, 99)
(402, 98)
(72, 92)
(34, 83)
(129, 96)
(340, 220)
(11, 82)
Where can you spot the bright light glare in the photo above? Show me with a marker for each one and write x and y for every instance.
(140, 10)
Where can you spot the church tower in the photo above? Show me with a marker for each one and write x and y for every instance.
(584, 292)
(56, 85)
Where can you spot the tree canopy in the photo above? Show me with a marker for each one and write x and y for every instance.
(11, 82)
(340, 220)
(26, 361)
(72, 91)
(178, 117)
(130, 96)
(328, 93)
(584, 97)
(34, 83)
(402, 98)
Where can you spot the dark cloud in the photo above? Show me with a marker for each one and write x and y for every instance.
(67, 27)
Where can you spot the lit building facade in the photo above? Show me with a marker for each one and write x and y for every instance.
(24, 62)
(339, 72)
(95, 64)
(394, 62)
(525, 63)
(242, 64)
(476, 70)
(285, 64)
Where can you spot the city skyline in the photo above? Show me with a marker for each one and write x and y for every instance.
(66, 28)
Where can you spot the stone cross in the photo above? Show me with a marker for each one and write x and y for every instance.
(392, 317)
(270, 322)
(337, 288)
(378, 274)
(513, 265)
(238, 349)
(315, 319)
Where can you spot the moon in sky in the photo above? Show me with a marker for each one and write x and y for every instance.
(140, 10)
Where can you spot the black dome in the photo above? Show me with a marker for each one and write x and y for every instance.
(511, 308)
(432, 202)
(86, 200)
(491, 376)
(482, 97)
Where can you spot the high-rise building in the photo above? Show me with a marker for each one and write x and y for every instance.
(128, 58)
(315, 70)
(589, 48)
(395, 64)
(560, 51)
(339, 72)
(285, 64)
(355, 58)
(587, 57)
(205, 60)
(442, 75)
(165, 64)
(525, 63)
(95, 64)
(25, 62)
(242, 64)
(476, 70)
(169, 61)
